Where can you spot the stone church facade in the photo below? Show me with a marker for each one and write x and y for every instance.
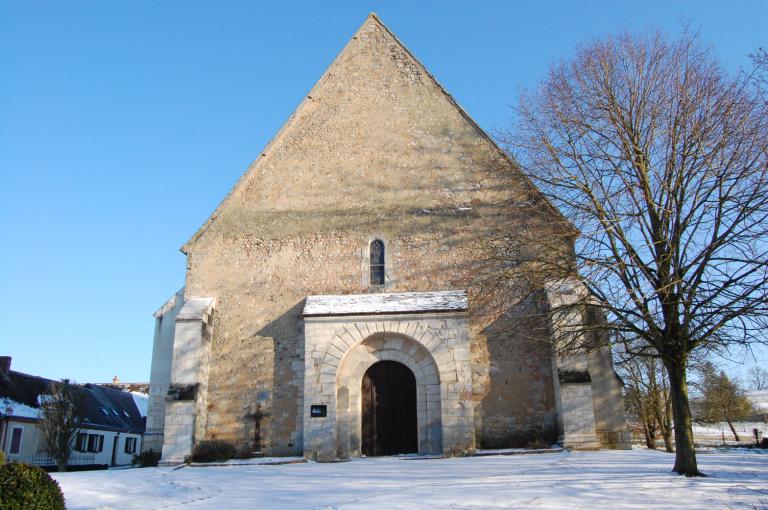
(324, 311)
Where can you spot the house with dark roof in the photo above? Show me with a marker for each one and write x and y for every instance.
(111, 433)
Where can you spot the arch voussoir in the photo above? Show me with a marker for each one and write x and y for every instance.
(344, 350)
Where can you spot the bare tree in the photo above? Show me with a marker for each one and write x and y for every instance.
(658, 157)
(648, 396)
(760, 61)
(758, 378)
(61, 420)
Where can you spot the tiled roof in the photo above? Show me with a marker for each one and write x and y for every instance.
(103, 407)
(111, 408)
(23, 388)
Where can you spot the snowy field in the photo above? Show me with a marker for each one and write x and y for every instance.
(605, 479)
(743, 429)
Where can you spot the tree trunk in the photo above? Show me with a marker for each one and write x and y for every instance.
(735, 435)
(664, 428)
(650, 439)
(666, 433)
(685, 453)
(665, 423)
(62, 467)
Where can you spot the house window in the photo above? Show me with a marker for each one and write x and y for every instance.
(98, 443)
(93, 443)
(377, 262)
(130, 445)
(16, 440)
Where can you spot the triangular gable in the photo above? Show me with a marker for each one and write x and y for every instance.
(372, 18)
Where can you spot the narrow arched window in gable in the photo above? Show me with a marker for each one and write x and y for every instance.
(377, 262)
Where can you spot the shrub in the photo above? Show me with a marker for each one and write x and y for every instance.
(244, 453)
(764, 443)
(538, 444)
(146, 459)
(2, 457)
(25, 487)
(212, 451)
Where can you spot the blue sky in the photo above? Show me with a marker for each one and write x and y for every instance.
(124, 124)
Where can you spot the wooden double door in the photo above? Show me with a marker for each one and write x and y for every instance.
(389, 424)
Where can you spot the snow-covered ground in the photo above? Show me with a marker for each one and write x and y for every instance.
(605, 479)
(743, 429)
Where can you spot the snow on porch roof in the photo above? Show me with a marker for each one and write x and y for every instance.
(377, 304)
(194, 308)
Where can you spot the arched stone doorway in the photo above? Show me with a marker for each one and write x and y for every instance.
(344, 336)
(389, 425)
(350, 406)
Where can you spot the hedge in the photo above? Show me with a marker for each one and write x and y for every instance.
(26, 487)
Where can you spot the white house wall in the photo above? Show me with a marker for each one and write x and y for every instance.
(105, 456)
(32, 444)
(29, 439)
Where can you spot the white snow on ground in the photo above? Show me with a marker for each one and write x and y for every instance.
(604, 479)
(743, 429)
(141, 400)
(759, 399)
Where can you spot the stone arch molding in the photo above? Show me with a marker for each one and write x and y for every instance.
(339, 350)
(351, 369)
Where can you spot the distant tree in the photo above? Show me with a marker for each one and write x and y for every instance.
(722, 399)
(758, 378)
(61, 420)
(659, 157)
(648, 397)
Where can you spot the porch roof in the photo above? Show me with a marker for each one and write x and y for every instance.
(380, 304)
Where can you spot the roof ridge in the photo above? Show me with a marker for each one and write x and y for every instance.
(34, 376)
(277, 136)
(372, 17)
(473, 123)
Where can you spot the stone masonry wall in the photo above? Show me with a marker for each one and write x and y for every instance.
(435, 347)
(376, 149)
(160, 373)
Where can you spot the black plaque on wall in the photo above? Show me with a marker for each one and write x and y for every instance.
(318, 411)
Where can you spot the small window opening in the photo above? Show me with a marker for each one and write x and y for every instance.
(377, 262)
(16, 440)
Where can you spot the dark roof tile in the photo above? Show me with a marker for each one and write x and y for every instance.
(103, 407)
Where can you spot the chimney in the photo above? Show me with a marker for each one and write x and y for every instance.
(115, 380)
(5, 364)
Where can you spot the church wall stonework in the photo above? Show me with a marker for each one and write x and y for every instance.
(376, 150)
(257, 354)
(186, 401)
(435, 347)
(160, 373)
(608, 397)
